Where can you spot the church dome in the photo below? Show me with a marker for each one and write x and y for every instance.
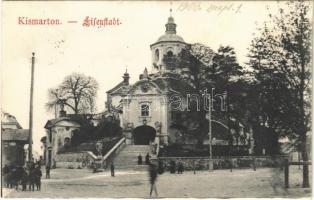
(170, 38)
(170, 34)
(168, 45)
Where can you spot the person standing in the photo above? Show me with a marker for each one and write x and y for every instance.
(48, 171)
(9, 177)
(153, 179)
(180, 167)
(24, 179)
(37, 177)
(31, 178)
(172, 167)
(139, 159)
(112, 169)
(5, 174)
(94, 167)
(14, 178)
(147, 158)
(161, 167)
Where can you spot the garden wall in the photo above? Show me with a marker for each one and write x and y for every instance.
(73, 160)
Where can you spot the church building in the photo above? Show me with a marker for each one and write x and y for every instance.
(149, 109)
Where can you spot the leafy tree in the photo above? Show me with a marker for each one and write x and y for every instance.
(108, 127)
(77, 92)
(205, 69)
(281, 59)
(224, 68)
(86, 131)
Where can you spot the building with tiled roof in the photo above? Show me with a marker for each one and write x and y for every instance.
(8, 121)
(13, 141)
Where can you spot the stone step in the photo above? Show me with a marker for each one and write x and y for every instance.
(135, 145)
(128, 157)
(138, 146)
(139, 152)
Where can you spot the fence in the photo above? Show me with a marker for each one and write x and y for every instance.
(202, 163)
(287, 164)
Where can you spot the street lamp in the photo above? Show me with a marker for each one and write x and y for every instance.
(210, 134)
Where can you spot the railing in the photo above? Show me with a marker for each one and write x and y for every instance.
(92, 155)
(287, 164)
(108, 158)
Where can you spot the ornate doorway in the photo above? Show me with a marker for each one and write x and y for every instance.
(143, 135)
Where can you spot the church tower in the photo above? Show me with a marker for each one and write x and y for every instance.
(168, 45)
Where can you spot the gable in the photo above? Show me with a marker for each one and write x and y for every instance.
(145, 88)
(121, 88)
(62, 121)
(68, 124)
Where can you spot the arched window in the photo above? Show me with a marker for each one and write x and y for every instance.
(169, 53)
(144, 110)
(66, 140)
(156, 55)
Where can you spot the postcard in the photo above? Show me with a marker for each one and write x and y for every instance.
(156, 99)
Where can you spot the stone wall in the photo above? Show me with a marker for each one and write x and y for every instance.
(202, 163)
(69, 165)
(73, 160)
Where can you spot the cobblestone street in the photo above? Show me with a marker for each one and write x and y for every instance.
(82, 183)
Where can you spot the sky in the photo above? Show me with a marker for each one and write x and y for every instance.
(105, 52)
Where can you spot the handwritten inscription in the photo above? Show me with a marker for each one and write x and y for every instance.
(210, 7)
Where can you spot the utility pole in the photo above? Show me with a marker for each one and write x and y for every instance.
(210, 133)
(30, 153)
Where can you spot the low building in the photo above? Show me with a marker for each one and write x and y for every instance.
(13, 141)
(59, 134)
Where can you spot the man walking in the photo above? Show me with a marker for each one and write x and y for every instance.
(153, 178)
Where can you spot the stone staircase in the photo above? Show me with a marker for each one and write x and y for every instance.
(127, 157)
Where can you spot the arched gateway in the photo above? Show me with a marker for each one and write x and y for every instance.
(143, 135)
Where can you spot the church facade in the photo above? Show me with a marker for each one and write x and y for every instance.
(148, 108)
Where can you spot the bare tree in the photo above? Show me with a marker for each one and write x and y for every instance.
(77, 92)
